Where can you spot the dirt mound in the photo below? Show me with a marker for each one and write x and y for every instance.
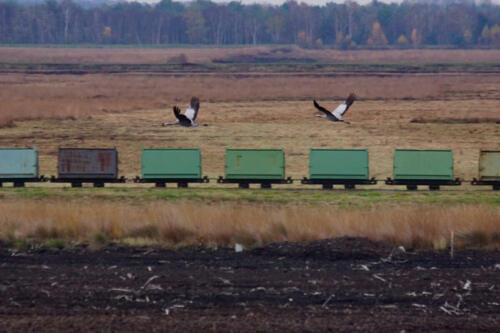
(473, 120)
(344, 248)
(263, 58)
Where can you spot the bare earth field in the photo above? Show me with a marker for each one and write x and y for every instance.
(341, 285)
(101, 266)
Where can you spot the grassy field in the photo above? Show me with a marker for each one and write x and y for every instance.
(129, 55)
(249, 109)
(379, 126)
(25, 222)
(342, 200)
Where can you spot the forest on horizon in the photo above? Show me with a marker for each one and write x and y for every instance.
(343, 26)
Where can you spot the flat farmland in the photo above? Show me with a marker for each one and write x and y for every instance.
(456, 112)
(250, 98)
(130, 257)
(252, 105)
(114, 55)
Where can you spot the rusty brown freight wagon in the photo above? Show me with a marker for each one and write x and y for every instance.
(87, 165)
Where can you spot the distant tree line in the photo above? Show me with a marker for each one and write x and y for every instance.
(343, 26)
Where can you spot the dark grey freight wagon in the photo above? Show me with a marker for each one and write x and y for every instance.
(87, 165)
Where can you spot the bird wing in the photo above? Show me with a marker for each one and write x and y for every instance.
(195, 105)
(183, 120)
(350, 99)
(177, 112)
(190, 113)
(340, 110)
(319, 107)
(192, 110)
(348, 102)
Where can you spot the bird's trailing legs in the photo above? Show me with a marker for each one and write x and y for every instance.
(170, 124)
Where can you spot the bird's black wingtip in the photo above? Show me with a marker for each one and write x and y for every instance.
(195, 103)
(351, 98)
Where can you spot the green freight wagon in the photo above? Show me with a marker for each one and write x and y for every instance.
(489, 169)
(423, 167)
(255, 166)
(19, 166)
(338, 166)
(181, 166)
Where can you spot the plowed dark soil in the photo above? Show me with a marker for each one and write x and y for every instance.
(346, 284)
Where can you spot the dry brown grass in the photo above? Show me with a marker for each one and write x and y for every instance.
(71, 96)
(208, 54)
(224, 224)
(27, 97)
(379, 126)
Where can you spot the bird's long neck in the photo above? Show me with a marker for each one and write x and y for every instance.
(320, 115)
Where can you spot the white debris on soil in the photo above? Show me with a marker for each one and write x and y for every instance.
(466, 285)
(149, 281)
(418, 305)
(238, 247)
(378, 277)
(328, 300)
(225, 281)
(450, 309)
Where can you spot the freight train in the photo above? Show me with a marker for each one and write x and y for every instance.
(327, 167)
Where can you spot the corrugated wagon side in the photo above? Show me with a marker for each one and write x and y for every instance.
(255, 166)
(489, 169)
(423, 167)
(87, 165)
(162, 166)
(19, 166)
(347, 167)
